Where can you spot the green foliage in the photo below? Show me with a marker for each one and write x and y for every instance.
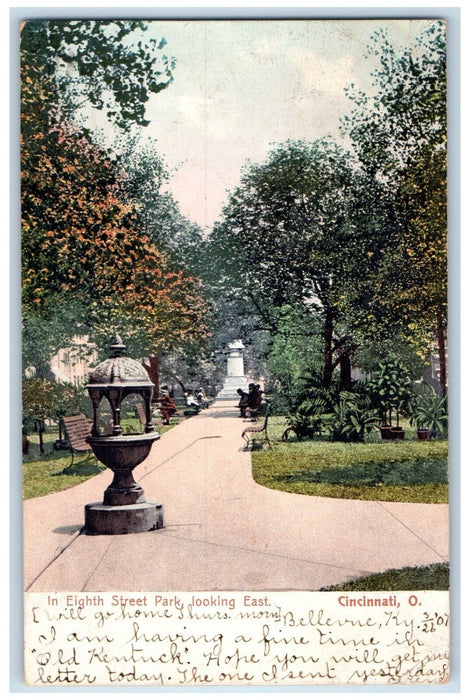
(44, 399)
(282, 223)
(313, 410)
(87, 262)
(391, 389)
(308, 419)
(351, 418)
(430, 411)
(44, 334)
(109, 65)
(146, 175)
(50, 471)
(408, 471)
(399, 135)
(408, 107)
(321, 236)
(388, 473)
(342, 415)
(294, 356)
(39, 399)
(369, 355)
(290, 237)
(44, 476)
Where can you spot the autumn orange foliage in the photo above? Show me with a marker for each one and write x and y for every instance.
(82, 238)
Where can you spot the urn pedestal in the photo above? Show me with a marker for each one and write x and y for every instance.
(124, 508)
(122, 520)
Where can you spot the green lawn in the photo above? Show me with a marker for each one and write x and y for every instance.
(408, 471)
(49, 475)
(419, 578)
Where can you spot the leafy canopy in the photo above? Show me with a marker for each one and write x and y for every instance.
(108, 65)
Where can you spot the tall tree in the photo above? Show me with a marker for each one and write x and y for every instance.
(399, 135)
(83, 239)
(82, 246)
(146, 179)
(290, 236)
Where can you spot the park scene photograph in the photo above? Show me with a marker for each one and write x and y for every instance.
(234, 305)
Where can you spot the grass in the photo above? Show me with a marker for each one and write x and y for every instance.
(406, 471)
(434, 577)
(49, 475)
(51, 471)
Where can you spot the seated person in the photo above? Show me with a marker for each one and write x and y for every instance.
(202, 398)
(243, 403)
(254, 397)
(167, 405)
(192, 402)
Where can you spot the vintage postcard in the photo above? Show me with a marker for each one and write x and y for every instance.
(235, 353)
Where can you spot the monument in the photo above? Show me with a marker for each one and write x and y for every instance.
(235, 378)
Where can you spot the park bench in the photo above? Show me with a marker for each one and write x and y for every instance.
(77, 428)
(204, 401)
(258, 429)
(140, 413)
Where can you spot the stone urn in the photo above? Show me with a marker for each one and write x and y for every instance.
(124, 508)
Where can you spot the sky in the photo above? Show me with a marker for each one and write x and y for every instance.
(241, 86)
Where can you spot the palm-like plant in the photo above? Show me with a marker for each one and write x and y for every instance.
(351, 418)
(430, 411)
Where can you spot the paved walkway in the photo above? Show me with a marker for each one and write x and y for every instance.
(222, 530)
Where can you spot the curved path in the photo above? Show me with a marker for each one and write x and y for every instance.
(222, 530)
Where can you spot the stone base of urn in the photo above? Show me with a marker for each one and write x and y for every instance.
(124, 509)
(101, 519)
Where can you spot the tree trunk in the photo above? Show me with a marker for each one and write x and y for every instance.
(328, 348)
(345, 371)
(441, 344)
(41, 432)
(153, 369)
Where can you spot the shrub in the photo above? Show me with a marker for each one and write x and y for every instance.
(430, 411)
(351, 418)
(391, 390)
(307, 420)
(43, 398)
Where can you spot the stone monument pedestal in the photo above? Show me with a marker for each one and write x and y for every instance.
(235, 378)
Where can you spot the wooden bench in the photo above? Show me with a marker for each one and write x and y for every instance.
(257, 429)
(140, 413)
(203, 400)
(77, 428)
